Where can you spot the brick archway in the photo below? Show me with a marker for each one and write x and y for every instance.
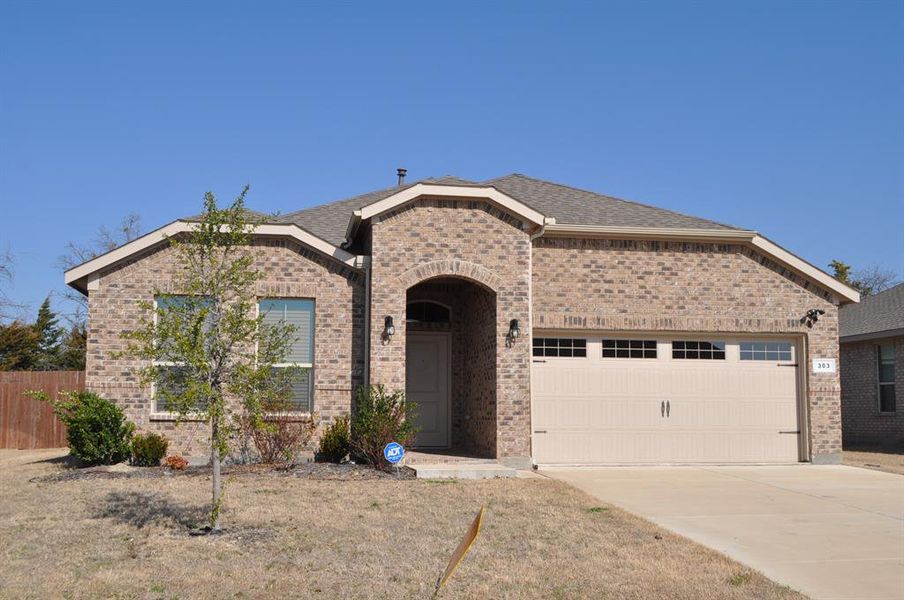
(449, 268)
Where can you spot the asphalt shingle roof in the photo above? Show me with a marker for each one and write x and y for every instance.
(568, 205)
(882, 312)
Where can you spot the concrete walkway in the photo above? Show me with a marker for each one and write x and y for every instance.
(828, 531)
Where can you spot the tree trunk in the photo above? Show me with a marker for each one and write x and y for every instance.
(215, 464)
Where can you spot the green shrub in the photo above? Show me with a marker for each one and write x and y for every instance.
(380, 418)
(96, 429)
(334, 443)
(148, 449)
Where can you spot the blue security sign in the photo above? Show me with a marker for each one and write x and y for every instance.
(393, 452)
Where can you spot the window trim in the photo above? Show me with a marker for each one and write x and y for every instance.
(309, 366)
(880, 384)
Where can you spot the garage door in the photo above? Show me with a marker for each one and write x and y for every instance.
(609, 399)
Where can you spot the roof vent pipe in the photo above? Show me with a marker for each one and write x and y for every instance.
(401, 173)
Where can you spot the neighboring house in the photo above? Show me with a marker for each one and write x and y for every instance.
(872, 370)
(529, 320)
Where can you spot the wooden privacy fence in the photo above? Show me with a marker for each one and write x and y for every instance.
(26, 423)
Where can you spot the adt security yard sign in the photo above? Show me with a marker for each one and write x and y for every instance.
(393, 452)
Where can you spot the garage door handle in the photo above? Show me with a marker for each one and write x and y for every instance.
(539, 431)
(668, 408)
(794, 432)
(662, 408)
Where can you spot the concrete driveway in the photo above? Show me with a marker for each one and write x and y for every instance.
(827, 531)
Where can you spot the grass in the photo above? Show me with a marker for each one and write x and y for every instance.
(881, 459)
(292, 537)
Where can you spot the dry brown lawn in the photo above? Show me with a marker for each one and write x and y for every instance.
(881, 460)
(296, 538)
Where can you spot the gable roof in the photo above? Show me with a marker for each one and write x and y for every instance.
(567, 205)
(553, 208)
(876, 316)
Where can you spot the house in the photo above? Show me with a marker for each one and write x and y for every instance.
(872, 370)
(530, 321)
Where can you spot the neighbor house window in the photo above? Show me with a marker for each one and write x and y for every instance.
(171, 375)
(766, 350)
(629, 348)
(564, 347)
(698, 350)
(299, 313)
(886, 353)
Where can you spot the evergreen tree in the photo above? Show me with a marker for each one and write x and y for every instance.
(18, 347)
(72, 350)
(50, 335)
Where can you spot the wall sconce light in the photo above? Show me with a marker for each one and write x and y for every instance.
(388, 328)
(514, 331)
(812, 316)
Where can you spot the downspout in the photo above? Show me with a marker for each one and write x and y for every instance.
(366, 261)
(530, 316)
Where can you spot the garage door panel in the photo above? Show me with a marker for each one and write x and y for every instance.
(592, 410)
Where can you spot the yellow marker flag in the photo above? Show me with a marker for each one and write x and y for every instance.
(459, 554)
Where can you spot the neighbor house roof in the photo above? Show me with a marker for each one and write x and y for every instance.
(881, 315)
(567, 205)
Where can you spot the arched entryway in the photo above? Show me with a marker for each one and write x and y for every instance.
(451, 364)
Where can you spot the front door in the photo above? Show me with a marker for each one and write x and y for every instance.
(427, 384)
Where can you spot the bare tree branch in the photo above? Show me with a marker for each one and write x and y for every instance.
(76, 253)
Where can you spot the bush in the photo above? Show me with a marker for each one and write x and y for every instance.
(148, 449)
(280, 437)
(334, 443)
(380, 418)
(96, 429)
(175, 462)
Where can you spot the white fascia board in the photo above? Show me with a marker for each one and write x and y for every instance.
(452, 191)
(75, 274)
(804, 268)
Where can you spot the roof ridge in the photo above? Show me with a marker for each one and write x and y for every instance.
(356, 196)
(615, 198)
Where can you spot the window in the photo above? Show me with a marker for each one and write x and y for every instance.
(426, 312)
(629, 348)
(698, 350)
(299, 313)
(172, 374)
(564, 347)
(766, 351)
(886, 354)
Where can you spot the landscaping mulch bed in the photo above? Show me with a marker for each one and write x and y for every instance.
(314, 471)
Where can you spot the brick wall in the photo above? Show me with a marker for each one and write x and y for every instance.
(675, 287)
(862, 423)
(290, 271)
(471, 240)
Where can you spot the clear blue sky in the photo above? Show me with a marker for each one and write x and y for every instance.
(785, 117)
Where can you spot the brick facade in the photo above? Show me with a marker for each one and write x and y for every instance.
(685, 287)
(469, 240)
(290, 271)
(862, 423)
(481, 261)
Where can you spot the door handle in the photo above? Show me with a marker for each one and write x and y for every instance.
(668, 408)
(662, 408)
